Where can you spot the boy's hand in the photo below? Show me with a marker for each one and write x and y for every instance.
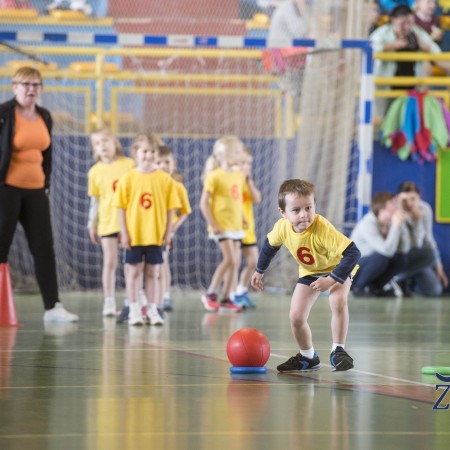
(125, 240)
(322, 284)
(257, 281)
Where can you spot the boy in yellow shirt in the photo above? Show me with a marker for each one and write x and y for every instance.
(167, 163)
(146, 198)
(327, 260)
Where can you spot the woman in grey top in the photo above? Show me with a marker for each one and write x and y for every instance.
(383, 241)
(424, 273)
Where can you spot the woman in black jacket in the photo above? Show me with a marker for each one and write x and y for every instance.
(25, 168)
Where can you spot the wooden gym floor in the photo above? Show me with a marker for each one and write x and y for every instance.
(99, 385)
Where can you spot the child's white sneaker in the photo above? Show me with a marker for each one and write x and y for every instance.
(59, 314)
(135, 316)
(153, 315)
(109, 307)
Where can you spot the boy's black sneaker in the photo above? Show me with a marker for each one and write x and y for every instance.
(341, 360)
(300, 363)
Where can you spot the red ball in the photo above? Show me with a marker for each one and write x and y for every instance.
(248, 347)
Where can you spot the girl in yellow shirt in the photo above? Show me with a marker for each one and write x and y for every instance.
(221, 205)
(103, 221)
(251, 196)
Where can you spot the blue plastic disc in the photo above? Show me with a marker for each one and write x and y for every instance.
(237, 370)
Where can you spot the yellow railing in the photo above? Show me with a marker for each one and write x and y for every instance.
(260, 83)
(439, 84)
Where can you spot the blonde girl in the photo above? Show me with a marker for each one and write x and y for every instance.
(252, 196)
(103, 221)
(221, 206)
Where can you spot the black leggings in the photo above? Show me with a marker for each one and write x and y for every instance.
(31, 208)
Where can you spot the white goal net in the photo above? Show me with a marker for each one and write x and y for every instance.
(190, 98)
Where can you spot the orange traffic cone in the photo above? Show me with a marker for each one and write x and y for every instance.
(8, 317)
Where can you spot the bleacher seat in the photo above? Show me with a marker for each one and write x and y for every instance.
(65, 14)
(83, 66)
(436, 71)
(383, 20)
(258, 22)
(444, 22)
(17, 64)
(19, 14)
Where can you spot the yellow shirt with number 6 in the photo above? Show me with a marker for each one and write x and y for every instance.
(146, 197)
(317, 250)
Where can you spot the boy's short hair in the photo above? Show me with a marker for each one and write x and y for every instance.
(379, 201)
(295, 186)
(164, 150)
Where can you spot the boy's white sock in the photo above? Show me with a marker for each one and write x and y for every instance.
(333, 348)
(309, 353)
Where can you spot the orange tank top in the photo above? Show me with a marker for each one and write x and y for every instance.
(31, 138)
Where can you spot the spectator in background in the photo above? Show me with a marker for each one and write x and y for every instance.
(400, 35)
(426, 19)
(74, 5)
(289, 21)
(15, 4)
(383, 242)
(423, 274)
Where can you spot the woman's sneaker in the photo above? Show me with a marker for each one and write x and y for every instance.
(59, 314)
(340, 360)
(300, 363)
